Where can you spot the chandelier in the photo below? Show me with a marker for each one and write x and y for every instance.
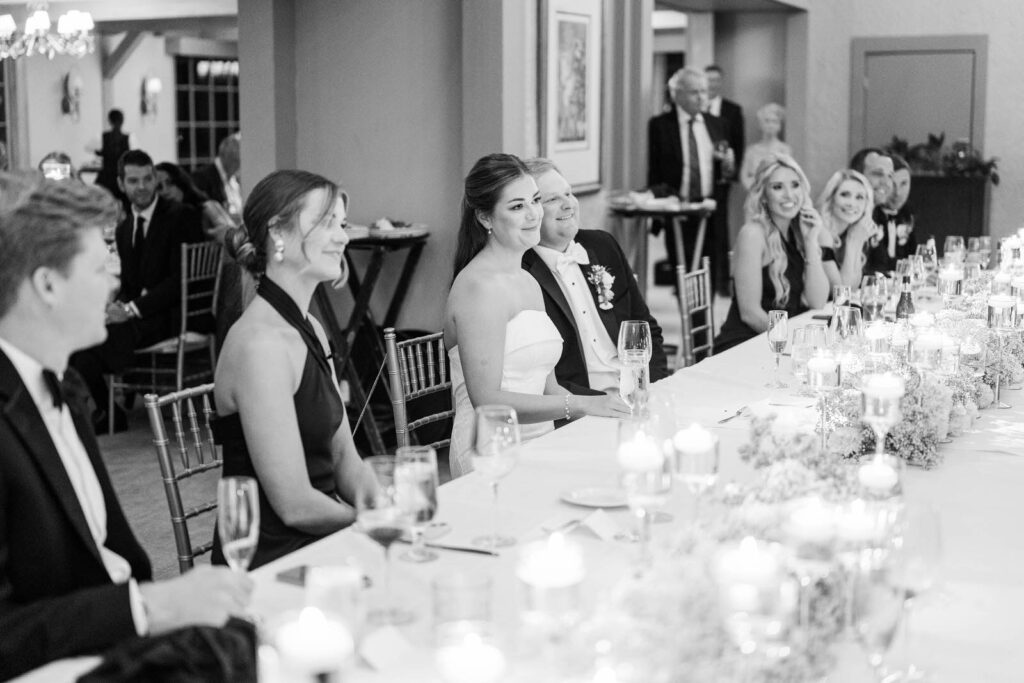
(73, 37)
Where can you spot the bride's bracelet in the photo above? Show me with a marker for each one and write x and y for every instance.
(568, 415)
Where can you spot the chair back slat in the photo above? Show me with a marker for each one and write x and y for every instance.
(196, 454)
(695, 296)
(416, 367)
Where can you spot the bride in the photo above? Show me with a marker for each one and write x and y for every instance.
(502, 345)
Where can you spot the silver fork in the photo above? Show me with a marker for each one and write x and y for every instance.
(739, 412)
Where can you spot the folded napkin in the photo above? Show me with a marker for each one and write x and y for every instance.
(598, 523)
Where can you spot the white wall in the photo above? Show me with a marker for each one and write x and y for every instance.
(832, 24)
(379, 104)
(154, 133)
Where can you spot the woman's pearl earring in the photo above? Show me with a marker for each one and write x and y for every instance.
(279, 249)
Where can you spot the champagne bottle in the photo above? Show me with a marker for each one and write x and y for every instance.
(905, 306)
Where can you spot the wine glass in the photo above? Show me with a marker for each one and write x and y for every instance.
(382, 517)
(823, 376)
(916, 556)
(416, 485)
(877, 608)
(881, 476)
(954, 246)
(494, 457)
(921, 266)
(238, 520)
(778, 334)
(634, 356)
(1001, 319)
(841, 295)
(985, 249)
(929, 257)
(847, 326)
(873, 295)
(646, 477)
(800, 353)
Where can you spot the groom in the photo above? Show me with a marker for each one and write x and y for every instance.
(588, 288)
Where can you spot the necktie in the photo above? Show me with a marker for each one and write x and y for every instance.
(694, 192)
(53, 384)
(140, 233)
(573, 255)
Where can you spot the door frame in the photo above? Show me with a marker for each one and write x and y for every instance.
(862, 48)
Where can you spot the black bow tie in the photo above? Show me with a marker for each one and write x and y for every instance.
(54, 385)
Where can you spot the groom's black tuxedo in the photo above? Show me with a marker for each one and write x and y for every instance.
(627, 304)
(56, 597)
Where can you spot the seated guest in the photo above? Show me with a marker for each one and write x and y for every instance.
(769, 118)
(281, 416)
(502, 345)
(73, 578)
(845, 206)
(210, 218)
(567, 264)
(892, 240)
(778, 260)
(147, 306)
(57, 166)
(903, 214)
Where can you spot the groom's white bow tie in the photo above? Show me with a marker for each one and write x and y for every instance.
(575, 254)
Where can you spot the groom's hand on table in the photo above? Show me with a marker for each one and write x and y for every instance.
(205, 596)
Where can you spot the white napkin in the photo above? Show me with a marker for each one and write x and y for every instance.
(387, 650)
(599, 523)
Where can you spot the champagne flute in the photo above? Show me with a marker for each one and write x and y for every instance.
(917, 553)
(778, 334)
(416, 484)
(382, 517)
(238, 520)
(494, 457)
(876, 607)
(634, 350)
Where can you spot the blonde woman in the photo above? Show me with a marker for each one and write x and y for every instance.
(778, 255)
(845, 206)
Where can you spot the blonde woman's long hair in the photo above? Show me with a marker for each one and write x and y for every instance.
(757, 212)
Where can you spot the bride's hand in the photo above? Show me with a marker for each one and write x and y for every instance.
(607, 405)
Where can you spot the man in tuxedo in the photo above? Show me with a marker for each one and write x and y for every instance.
(219, 180)
(731, 116)
(73, 578)
(147, 307)
(586, 306)
(894, 239)
(681, 153)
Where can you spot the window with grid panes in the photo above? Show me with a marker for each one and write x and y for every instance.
(206, 91)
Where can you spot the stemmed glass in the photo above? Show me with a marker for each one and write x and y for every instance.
(841, 295)
(929, 259)
(416, 484)
(646, 478)
(810, 533)
(494, 457)
(238, 520)
(873, 295)
(917, 553)
(954, 246)
(847, 325)
(806, 341)
(695, 454)
(823, 374)
(778, 335)
(877, 608)
(381, 515)
(1001, 319)
(634, 356)
(881, 476)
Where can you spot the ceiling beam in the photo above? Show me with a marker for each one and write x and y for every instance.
(112, 62)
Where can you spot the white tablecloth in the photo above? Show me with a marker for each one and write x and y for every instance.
(969, 629)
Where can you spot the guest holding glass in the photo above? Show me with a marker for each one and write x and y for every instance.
(778, 258)
(502, 345)
(845, 206)
(281, 416)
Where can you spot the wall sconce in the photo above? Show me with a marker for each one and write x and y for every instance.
(70, 102)
(151, 87)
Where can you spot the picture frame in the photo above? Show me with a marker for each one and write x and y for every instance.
(571, 46)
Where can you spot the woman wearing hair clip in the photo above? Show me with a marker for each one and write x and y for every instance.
(281, 416)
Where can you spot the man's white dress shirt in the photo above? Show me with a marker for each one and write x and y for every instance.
(705, 152)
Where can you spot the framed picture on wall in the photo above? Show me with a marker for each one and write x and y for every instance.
(570, 43)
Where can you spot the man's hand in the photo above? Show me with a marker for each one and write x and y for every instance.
(116, 313)
(205, 596)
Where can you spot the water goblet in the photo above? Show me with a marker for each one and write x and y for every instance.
(416, 485)
(380, 515)
(494, 457)
(778, 334)
(238, 520)
(634, 348)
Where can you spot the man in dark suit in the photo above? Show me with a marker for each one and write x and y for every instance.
(147, 306)
(569, 260)
(895, 238)
(73, 578)
(731, 115)
(219, 180)
(681, 153)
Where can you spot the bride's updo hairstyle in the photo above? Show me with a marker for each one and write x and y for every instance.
(275, 202)
(486, 180)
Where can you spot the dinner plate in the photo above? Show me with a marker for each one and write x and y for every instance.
(595, 497)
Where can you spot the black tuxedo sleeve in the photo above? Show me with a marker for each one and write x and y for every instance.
(165, 293)
(659, 176)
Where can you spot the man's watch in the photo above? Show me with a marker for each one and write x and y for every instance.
(129, 310)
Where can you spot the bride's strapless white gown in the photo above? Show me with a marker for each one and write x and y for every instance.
(532, 348)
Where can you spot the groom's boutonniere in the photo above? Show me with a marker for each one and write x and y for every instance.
(602, 281)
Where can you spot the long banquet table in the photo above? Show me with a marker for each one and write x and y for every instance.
(968, 629)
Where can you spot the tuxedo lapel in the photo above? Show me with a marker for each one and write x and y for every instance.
(21, 411)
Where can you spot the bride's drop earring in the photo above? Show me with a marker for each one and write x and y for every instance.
(278, 249)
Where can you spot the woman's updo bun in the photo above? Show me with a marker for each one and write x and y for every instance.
(241, 248)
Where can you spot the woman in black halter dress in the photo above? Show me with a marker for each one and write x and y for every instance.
(778, 257)
(281, 417)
